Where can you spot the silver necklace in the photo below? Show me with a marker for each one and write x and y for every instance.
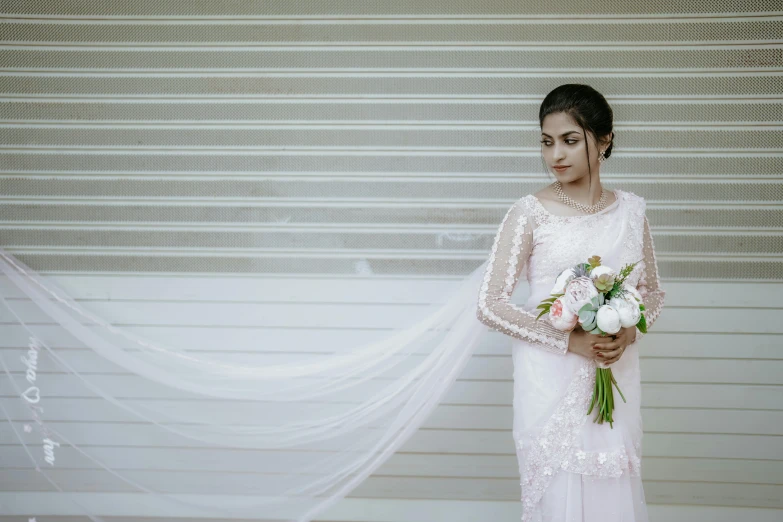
(589, 209)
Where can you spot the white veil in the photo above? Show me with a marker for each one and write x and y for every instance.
(304, 432)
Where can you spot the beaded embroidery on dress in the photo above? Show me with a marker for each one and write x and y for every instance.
(570, 468)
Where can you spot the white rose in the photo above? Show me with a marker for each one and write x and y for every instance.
(608, 319)
(627, 308)
(600, 270)
(561, 317)
(633, 291)
(578, 292)
(562, 280)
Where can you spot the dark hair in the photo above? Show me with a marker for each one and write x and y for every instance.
(587, 107)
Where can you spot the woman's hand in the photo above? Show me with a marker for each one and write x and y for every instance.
(582, 342)
(611, 349)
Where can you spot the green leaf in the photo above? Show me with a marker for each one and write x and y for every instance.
(642, 325)
(586, 307)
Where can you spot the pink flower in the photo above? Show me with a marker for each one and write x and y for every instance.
(561, 317)
(579, 292)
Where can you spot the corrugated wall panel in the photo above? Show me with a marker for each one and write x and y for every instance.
(299, 146)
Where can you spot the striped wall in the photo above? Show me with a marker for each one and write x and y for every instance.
(312, 154)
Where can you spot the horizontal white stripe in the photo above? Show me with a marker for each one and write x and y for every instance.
(326, 19)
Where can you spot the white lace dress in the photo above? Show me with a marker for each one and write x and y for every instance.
(571, 469)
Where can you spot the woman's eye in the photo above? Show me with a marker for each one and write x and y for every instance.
(570, 142)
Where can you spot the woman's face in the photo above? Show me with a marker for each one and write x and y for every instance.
(563, 143)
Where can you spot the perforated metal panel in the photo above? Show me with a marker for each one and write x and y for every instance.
(421, 116)
(339, 138)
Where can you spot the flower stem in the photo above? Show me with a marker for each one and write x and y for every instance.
(602, 402)
(592, 402)
(618, 388)
(610, 395)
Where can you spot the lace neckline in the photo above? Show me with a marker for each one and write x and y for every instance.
(610, 206)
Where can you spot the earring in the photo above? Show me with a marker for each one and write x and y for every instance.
(601, 157)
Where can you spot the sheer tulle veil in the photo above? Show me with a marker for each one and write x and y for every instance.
(311, 428)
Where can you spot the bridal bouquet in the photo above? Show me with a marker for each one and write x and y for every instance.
(598, 299)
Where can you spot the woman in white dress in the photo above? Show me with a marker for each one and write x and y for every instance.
(572, 469)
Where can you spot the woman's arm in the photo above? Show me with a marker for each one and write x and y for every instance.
(650, 284)
(510, 252)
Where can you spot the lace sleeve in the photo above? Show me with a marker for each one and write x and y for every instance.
(650, 284)
(510, 251)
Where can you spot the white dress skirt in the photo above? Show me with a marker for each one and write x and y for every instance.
(572, 469)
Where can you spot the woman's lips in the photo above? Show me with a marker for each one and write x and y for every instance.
(561, 168)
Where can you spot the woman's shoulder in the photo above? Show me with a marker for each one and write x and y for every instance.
(527, 203)
(629, 195)
(632, 197)
(636, 203)
(523, 202)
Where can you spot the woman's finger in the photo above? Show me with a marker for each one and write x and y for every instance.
(607, 346)
(613, 354)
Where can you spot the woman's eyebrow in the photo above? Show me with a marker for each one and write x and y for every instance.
(562, 135)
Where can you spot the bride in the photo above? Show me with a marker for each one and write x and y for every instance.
(572, 469)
